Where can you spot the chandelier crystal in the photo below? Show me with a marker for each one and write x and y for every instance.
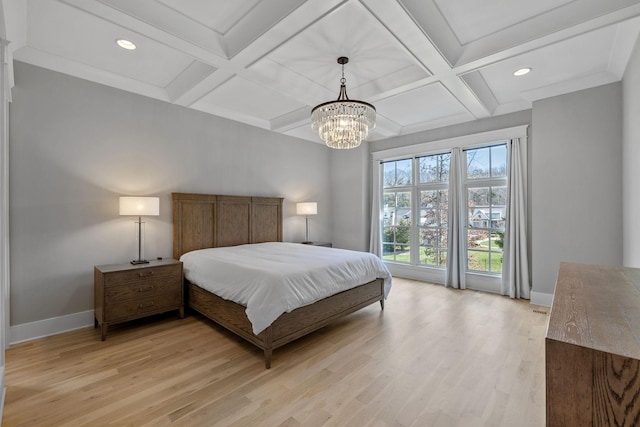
(345, 122)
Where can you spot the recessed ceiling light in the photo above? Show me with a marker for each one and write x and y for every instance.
(522, 72)
(126, 44)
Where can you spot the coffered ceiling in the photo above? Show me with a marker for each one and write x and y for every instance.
(422, 63)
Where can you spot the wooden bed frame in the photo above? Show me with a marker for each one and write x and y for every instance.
(209, 221)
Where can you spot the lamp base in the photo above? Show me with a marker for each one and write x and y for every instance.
(307, 243)
(139, 261)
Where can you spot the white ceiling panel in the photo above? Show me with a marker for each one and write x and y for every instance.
(250, 98)
(425, 104)
(423, 63)
(218, 15)
(472, 19)
(561, 62)
(89, 40)
(373, 52)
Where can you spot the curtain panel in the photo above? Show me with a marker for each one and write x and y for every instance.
(375, 241)
(515, 261)
(456, 259)
(5, 98)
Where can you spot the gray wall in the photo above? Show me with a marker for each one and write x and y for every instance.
(351, 194)
(75, 146)
(577, 181)
(631, 159)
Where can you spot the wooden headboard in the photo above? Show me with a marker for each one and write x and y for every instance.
(211, 221)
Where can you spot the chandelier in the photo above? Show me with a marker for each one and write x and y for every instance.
(343, 123)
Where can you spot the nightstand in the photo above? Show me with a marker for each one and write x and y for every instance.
(124, 292)
(327, 244)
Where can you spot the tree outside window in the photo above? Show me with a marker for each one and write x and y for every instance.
(434, 209)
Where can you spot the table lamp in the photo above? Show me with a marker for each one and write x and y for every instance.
(139, 206)
(306, 209)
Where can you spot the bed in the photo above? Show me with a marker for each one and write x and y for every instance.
(202, 221)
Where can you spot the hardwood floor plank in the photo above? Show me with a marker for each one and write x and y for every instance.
(434, 356)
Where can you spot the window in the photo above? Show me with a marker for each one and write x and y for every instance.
(419, 236)
(416, 209)
(415, 200)
(486, 189)
(396, 220)
(401, 222)
(434, 208)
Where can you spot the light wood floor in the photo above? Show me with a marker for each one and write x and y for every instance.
(434, 357)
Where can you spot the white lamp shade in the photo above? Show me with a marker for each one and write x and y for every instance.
(138, 206)
(307, 208)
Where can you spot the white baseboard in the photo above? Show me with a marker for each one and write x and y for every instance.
(431, 275)
(541, 298)
(52, 326)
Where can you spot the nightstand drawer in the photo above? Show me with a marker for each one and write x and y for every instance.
(142, 274)
(139, 307)
(141, 289)
(123, 292)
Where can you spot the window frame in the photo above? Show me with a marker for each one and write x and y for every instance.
(478, 281)
(414, 188)
(438, 185)
(395, 189)
(483, 182)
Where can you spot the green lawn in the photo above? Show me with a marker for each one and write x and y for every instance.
(400, 257)
(478, 260)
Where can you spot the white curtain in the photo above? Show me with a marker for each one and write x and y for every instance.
(375, 243)
(5, 97)
(456, 258)
(515, 265)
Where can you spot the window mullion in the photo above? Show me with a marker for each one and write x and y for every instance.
(415, 214)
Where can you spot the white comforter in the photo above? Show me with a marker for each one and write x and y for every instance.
(273, 278)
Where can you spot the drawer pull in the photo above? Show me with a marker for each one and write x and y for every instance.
(149, 304)
(147, 274)
(146, 288)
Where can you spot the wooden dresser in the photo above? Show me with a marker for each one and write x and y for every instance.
(124, 292)
(592, 347)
